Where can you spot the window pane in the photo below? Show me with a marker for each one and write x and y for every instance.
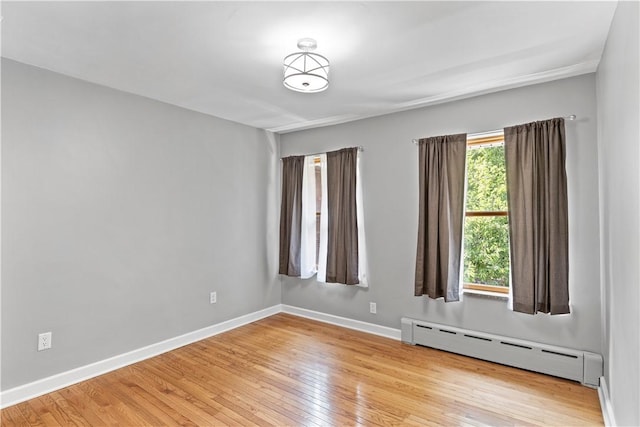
(486, 250)
(486, 179)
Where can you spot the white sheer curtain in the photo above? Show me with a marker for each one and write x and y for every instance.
(324, 222)
(308, 234)
(363, 267)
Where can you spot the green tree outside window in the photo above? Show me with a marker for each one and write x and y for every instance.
(486, 237)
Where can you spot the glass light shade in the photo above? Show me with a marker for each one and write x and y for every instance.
(306, 72)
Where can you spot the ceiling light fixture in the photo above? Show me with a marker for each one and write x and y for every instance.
(306, 71)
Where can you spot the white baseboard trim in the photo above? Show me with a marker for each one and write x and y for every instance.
(345, 322)
(64, 379)
(55, 382)
(605, 404)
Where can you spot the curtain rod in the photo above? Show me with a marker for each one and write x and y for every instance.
(490, 132)
(359, 147)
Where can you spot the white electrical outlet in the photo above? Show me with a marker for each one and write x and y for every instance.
(213, 297)
(44, 341)
(372, 308)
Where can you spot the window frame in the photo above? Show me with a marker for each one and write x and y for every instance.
(477, 143)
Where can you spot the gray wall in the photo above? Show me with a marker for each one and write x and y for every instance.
(619, 155)
(119, 215)
(390, 185)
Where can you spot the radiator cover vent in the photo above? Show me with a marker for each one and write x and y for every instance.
(576, 365)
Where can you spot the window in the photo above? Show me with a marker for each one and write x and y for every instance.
(486, 225)
(345, 261)
(313, 213)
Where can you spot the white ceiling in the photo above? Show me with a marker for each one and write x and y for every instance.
(225, 58)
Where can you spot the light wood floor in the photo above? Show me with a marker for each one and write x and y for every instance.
(290, 371)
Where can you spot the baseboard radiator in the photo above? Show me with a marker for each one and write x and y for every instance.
(575, 365)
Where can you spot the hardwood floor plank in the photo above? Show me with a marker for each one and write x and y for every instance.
(117, 412)
(245, 397)
(261, 392)
(200, 393)
(290, 381)
(135, 408)
(5, 420)
(97, 414)
(14, 417)
(37, 405)
(290, 371)
(147, 394)
(263, 386)
(29, 415)
(195, 410)
(48, 404)
(382, 417)
(80, 418)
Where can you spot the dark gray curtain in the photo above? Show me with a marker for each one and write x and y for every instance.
(442, 177)
(291, 215)
(538, 224)
(342, 234)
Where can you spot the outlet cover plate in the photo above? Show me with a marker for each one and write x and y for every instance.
(373, 308)
(44, 341)
(213, 297)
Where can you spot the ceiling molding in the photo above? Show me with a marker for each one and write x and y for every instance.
(469, 92)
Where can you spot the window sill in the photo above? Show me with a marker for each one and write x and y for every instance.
(486, 294)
